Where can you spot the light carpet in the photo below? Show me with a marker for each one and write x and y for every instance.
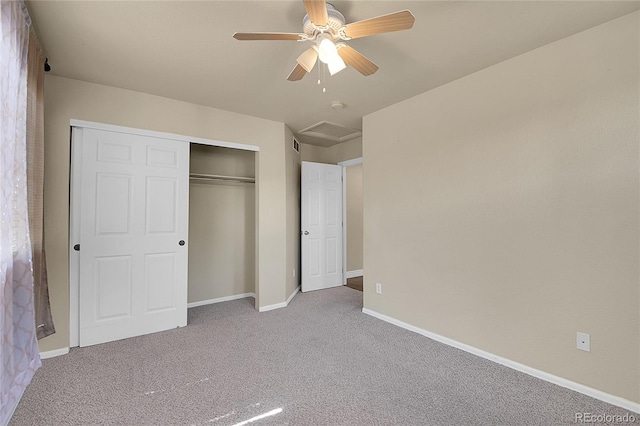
(320, 361)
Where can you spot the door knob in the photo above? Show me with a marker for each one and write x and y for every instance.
(181, 242)
(306, 232)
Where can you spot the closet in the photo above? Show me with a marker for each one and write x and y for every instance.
(158, 223)
(221, 224)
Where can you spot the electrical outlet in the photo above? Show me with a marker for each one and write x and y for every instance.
(378, 288)
(583, 342)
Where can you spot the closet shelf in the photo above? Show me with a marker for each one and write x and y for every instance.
(199, 177)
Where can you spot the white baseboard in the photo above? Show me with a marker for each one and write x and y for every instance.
(295, 292)
(594, 393)
(220, 299)
(272, 307)
(354, 273)
(54, 353)
(280, 305)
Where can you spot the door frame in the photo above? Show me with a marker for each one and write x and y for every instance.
(345, 164)
(76, 127)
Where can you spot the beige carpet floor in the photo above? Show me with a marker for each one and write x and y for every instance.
(320, 361)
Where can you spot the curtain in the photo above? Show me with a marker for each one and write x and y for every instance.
(35, 185)
(19, 353)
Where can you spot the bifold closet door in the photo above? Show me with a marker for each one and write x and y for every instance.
(133, 231)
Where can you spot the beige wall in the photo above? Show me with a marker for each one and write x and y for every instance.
(221, 225)
(354, 217)
(316, 154)
(502, 209)
(67, 99)
(345, 151)
(334, 154)
(292, 159)
(218, 160)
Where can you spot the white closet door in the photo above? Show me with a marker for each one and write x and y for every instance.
(321, 223)
(133, 231)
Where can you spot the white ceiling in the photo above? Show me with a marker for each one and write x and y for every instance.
(184, 50)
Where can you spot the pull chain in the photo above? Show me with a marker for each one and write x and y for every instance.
(324, 74)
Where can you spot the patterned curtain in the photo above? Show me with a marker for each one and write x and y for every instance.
(19, 353)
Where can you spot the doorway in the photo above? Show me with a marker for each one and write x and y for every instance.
(353, 220)
(352, 270)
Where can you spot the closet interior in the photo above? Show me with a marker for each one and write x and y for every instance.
(221, 223)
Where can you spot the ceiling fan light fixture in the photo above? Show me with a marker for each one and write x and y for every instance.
(336, 65)
(328, 54)
(327, 50)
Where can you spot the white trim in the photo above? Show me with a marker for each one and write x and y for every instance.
(290, 298)
(74, 237)
(54, 353)
(272, 307)
(353, 162)
(345, 164)
(355, 273)
(344, 225)
(280, 305)
(161, 135)
(577, 387)
(220, 299)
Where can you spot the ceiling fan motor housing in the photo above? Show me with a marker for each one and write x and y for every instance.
(336, 22)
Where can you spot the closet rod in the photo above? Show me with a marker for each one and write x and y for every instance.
(220, 178)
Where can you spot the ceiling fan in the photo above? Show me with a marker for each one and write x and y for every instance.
(325, 27)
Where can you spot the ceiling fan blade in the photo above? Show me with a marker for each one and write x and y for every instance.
(355, 59)
(297, 73)
(396, 21)
(267, 36)
(317, 11)
(307, 59)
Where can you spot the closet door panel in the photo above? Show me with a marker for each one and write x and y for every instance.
(134, 212)
(160, 273)
(113, 287)
(113, 190)
(162, 198)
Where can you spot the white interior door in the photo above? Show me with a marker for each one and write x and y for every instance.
(133, 231)
(321, 223)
